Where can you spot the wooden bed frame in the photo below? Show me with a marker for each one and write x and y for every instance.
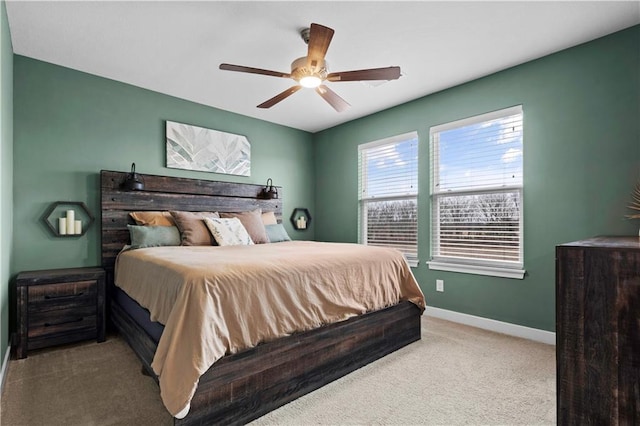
(242, 387)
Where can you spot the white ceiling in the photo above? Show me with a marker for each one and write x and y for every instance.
(175, 47)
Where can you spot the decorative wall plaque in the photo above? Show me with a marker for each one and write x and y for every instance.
(196, 148)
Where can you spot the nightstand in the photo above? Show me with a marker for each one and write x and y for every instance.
(59, 306)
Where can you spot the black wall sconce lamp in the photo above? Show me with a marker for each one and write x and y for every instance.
(133, 181)
(269, 192)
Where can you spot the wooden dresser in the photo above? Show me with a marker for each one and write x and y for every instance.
(59, 306)
(598, 331)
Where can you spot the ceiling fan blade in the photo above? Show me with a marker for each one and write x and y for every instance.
(389, 73)
(280, 96)
(319, 39)
(332, 97)
(240, 68)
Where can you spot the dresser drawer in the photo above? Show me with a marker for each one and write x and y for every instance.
(59, 296)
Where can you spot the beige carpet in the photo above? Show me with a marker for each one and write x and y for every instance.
(456, 375)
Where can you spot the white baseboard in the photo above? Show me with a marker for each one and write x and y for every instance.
(535, 334)
(3, 370)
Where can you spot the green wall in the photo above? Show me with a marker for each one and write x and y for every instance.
(582, 158)
(581, 161)
(6, 174)
(69, 125)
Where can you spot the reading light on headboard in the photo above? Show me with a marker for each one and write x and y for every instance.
(269, 192)
(132, 182)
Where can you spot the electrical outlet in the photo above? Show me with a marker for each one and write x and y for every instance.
(439, 285)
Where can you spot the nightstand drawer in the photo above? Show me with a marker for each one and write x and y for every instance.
(42, 323)
(58, 306)
(56, 296)
(66, 326)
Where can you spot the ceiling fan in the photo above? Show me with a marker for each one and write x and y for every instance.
(311, 70)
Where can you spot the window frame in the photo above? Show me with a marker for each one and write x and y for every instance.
(496, 268)
(410, 196)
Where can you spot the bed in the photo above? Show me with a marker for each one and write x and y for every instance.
(242, 386)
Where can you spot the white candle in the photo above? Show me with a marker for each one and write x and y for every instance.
(78, 227)
(70, 222)
(62, 226)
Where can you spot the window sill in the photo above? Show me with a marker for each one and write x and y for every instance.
(477, 270)
(413, 263)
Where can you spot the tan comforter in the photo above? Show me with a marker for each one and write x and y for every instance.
(219, 300)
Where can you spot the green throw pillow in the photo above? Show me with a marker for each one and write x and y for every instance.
(153, 236)
(277, 233)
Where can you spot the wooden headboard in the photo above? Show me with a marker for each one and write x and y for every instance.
(169, 193)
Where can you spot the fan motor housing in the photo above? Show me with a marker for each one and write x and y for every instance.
(300, 68)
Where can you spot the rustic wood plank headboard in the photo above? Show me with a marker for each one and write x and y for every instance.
(169, 193)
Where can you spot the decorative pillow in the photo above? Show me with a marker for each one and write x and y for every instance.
(192, 229)
(269, 218)
(252, 222)
(277, 233)
(228, 232)
(153, 236)
(153, 218)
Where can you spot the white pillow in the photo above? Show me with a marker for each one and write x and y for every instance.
(228, 232)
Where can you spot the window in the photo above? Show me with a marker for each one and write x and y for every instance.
(476, 195)
(388, 188)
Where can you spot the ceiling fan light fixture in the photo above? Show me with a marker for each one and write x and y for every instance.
(310, 81)
(309, 75)
(311, 71)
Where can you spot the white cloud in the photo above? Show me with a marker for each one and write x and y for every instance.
(391, 159)
(511, 155)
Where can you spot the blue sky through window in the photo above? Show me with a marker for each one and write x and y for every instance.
(392, 169)
(487, 154)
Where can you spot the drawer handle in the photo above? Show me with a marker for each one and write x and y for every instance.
(51, 324)
(68, 296)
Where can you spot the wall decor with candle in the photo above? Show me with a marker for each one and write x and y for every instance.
(68, 218)
(300, 219)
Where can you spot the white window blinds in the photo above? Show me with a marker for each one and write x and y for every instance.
(388, 188)
(476, 190)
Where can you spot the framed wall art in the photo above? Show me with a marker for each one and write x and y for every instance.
(196, 148)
